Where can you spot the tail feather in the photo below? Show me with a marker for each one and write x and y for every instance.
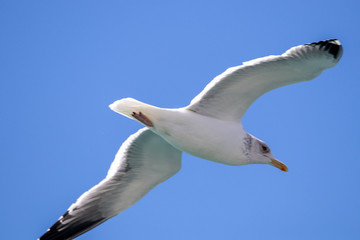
(127, 106)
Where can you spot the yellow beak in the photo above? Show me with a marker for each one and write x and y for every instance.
(279, 165)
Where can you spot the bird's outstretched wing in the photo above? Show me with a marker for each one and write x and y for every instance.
(230, 94)
(143, 161)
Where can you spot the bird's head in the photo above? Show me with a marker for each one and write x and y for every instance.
(259, 152)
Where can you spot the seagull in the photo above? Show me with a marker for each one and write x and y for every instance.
(210, 128)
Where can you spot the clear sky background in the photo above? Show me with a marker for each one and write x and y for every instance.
(63, 62)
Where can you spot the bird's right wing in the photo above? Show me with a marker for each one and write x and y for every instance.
(229, 95)
(143, 161)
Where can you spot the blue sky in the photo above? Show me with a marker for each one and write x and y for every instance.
(63, 63)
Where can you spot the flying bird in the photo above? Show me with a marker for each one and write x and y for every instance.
(210, 128)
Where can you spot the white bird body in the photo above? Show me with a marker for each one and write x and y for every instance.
(189, 131)
(210, 128)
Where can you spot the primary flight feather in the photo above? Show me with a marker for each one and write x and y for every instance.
(210, 128)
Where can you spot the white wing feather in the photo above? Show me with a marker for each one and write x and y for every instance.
(143, 161)
(230, 94)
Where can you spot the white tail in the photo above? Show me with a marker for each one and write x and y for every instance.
(127, 106)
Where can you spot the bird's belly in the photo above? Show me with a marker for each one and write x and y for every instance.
(205, 137)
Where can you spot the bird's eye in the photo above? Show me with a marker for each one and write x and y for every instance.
(265, 149)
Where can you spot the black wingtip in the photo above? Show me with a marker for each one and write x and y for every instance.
(332, 46)
(60, 232)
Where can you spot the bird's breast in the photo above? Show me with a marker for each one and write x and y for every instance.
(209, 138)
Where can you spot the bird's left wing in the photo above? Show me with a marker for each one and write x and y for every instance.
(229, 95)
(143, 161)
